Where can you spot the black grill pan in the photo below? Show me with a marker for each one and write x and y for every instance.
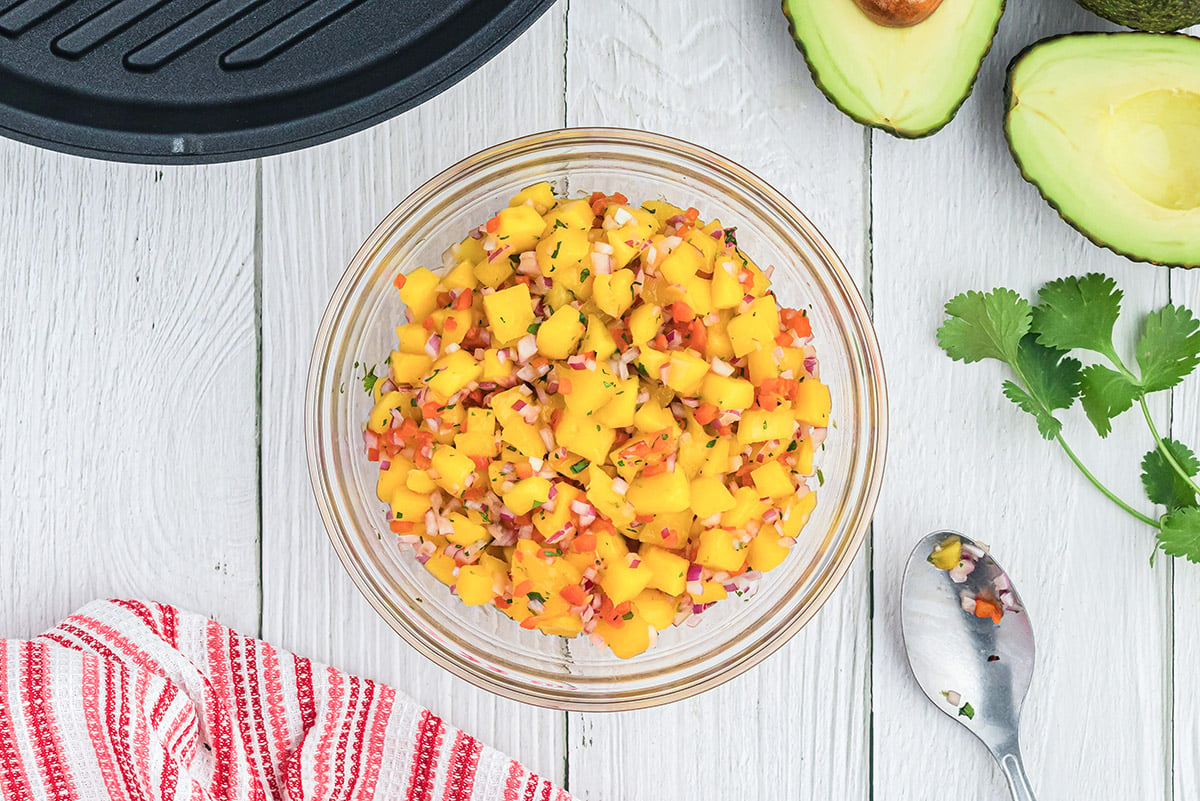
(193, 81)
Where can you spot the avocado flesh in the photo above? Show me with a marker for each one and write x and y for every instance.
(1107, 126)
(908, 81)
(1147, 15)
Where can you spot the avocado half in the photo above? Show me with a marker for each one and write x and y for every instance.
(908, 81)
(1107, 126)
(1147, 15)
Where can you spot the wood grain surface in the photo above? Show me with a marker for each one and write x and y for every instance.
(127, 375)
(124, 474)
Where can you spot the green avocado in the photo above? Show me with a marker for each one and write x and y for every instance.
(909, 81)
(1107, 126)
(1147, 15)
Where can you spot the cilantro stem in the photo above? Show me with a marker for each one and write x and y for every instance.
(1150, 521)
(1162, 447)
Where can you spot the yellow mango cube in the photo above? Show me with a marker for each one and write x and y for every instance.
(762, 365)
(453, 372)
(526, 438)
(598, 339)
(685, 372)
(813, 403)
(452, 468)
(393, 478)
(644, 323)
(407, 369)
(803, 456)
(492, 271)
(727, 291)
(668, 570)
(716, 457)
(420, 481)
(466, 531)
(608, 502)
(509, 313)
(773, 480)
(657, 608)
(710, 496)
(652, 417)
(755, 328)
(721, 550)
(462, 276)
(495, 370)
(621, 408)
(380, 418)
(797, 512)
(765, 552)
(629, 639)
(443, 567)
(559, 335)
(419, 292)
(549, 523)
(539, 195)
(409, 506)
(519, 228)
(652, 360)
(747, 505)
(582, 434)
(727, 392)
(590, 390)
(681, 264)
(613, 293)
(710, 592)
(527, 494)
(666, 492)
(475, 585)
(758, 425)
(563, 253)
(623, 583)
(575, 214)
(412, 337)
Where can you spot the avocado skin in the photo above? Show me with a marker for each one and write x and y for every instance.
(1009, 103)
(1147, 15)
(871, 123)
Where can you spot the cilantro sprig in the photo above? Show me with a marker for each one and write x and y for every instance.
(1076, 315)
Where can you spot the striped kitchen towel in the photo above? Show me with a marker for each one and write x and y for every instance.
(137, 701)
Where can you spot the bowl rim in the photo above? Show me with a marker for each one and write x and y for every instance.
(877, 445)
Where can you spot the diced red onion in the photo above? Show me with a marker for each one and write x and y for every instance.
(693, 572)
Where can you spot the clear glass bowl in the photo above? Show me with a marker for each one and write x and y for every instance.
(480, 644)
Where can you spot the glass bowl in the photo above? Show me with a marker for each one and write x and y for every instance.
(480, 644)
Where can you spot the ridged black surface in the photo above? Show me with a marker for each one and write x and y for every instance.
(189, 81)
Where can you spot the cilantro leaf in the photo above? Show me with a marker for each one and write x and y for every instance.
(1163, 484)
(967, 711)
(369, 380)
(1169, 347)
(985, 326)
(1078, 312)
(1105, 394)
(1180, 533)
(1051, 383)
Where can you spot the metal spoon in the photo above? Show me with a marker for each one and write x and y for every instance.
(975, 670)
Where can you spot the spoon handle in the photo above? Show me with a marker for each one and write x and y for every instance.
(1014, 771)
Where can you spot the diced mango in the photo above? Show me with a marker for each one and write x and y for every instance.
(666, 492)
(629, 639)
(710, 592)
(519, 228)
(549, 523)
(721, 550)
(773, 480)
(652, 417)
(523, 436)
(452, 468)
(453, 372)
(408, 368)
(475, 585)
(539, 195)
(710, 496)
(589, 390)
(804, 456)
(797, 512)
(621, 408)
(658, 608)
(559, 335)
(584, 435)
(570, 214)
(495, 370)
(509, 312)
(758, 425)
(622, 583)
(380, 419)
(765, 552)
(762, 365)
(598, 339)
(613, 293)
(747, 505)
(412, 338)
(419, 291)
(443, 567)
(420, 481)
(813, 403)
(644, 323)
(685, 372)
(494, 270)
(755, 328)
(466, 531)
(393, 478)
(606, 500)
(668, 570)
(727, 392)
(409, 506)
(527, 494)
(682, 264)
(563, 253)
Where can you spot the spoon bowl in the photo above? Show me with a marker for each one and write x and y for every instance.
(970, 643)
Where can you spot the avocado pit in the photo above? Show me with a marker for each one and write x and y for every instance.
(898, 13)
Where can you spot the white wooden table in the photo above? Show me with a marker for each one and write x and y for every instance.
(155, 326)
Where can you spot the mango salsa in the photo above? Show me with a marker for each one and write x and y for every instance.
(597, 418)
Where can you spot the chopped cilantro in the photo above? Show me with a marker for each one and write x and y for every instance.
(580, 466)
(557, 245)
(967, 711)
(627, 616)
(533, 328)
(536, 596)
(712, 443)
(369, 380)
(820, 477)
(559, 224)
(584, 273)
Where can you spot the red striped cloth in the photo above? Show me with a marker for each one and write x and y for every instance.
(137, 701)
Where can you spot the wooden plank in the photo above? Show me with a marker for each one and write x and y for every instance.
(951, 213)
(1185, 426)
(128, 353)
(319, 205)
(731, 79)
